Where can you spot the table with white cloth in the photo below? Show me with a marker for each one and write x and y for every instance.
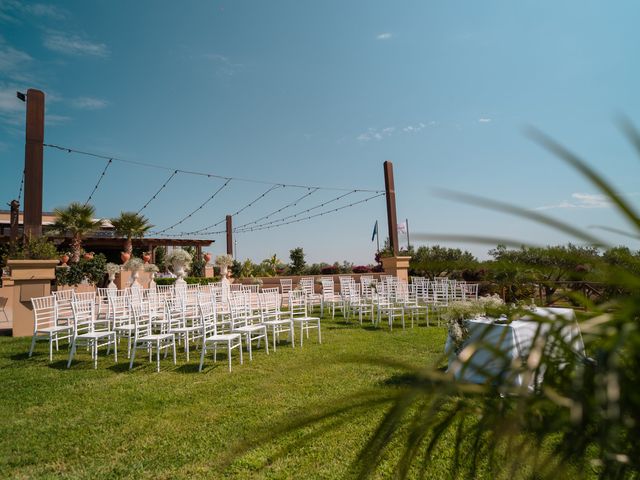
(500, 342)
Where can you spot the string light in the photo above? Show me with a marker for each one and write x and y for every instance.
(268, 227)
(196, 210)
(175, 172)
(237, 212)
(21, 185)
(99, 180)
(292, 204)
(193, 172)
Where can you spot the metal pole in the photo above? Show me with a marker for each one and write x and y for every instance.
(33, 153)
(406, 221)
(378, 235)
(229, 235)
(392, 219)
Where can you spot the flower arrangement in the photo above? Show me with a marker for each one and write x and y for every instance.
(151, 267)
(134, 264)
(224, 260)
(178, 258)
(458, 312)
(112, 268)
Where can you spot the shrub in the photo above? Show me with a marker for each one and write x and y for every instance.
(33, 248)
(361, 269)
(189, 280)
(93, 271)
(330, 270)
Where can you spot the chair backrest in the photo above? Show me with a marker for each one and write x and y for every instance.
(44, 312)
(328, 288)
(84, 296)
(297, 304)
(286, 285)
(141, 321)
(63, 303)
(174, 312)
(84, 316)
(120, 310)
(208, 319)
(306, 284)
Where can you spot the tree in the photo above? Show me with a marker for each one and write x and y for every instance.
(131, 225)
(439, 261)
(76, 220)
(272, 264)
(297, 261)
(545, 266)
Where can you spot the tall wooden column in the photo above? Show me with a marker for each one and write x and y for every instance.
(392, 220)
(33, 152)
(229, 235)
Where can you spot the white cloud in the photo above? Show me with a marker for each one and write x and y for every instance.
(581, 200)
(11, 108)
(381, 133)
(384, 36)
(73, 45)
(223, 65)
(14, 10)
(89, 103)
(13, 62)
(484, 120)
(51, 120)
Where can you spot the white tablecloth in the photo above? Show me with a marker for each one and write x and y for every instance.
(514, 340)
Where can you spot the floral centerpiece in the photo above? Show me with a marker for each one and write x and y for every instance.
(459, 312)
(112, 269)
(179, 261)
(224, 262)
(134, 265)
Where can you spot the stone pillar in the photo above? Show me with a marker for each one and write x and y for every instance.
(396, 266)
(31, 278)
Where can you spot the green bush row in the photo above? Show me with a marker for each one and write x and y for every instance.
(189, 280)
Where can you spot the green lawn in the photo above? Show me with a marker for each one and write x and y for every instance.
(112, 422)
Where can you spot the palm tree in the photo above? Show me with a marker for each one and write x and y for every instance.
(273, 263)
(131, 225)
(76, 219)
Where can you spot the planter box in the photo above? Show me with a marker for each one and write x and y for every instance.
(32, 269)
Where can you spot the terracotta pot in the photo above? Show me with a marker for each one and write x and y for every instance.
(64, 259)
(124, 256)
(88, 256)
(146, 257)
(207, 257)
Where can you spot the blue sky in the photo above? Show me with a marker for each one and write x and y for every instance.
(321, 93)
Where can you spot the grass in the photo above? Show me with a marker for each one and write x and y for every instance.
(112, 422)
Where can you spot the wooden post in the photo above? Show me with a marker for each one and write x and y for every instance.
(392, 219)
(229, 235)
(33, 152)
(15, 220)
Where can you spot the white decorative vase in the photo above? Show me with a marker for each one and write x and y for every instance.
(223, 271)
(180, 274)
(112, 285)
(152, 282)
(134, 279)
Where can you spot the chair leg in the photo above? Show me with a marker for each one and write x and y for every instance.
(33, 344)
(202, 354)
(319, 333)
(133, 355)
(50, 348)
(158, 356)
(266, 340)
(249, 346)
(95, 354)
(240, 348)
(174, 350)
(71, 353)
(115, 349)
(229, 354)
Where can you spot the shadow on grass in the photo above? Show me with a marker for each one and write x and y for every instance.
(18, 357)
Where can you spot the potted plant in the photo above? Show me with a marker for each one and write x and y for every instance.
(88, 255)
(224, 262)
(76, 220)
(130, 225)
(179, 260)
(146, 257)
(64, 259)
(134, 265)
(112, 269)
(207, 257)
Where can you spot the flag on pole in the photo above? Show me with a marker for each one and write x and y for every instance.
(375, 231)
(402, 228)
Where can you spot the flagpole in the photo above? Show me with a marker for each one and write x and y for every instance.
(406, 220)
(378, 237)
